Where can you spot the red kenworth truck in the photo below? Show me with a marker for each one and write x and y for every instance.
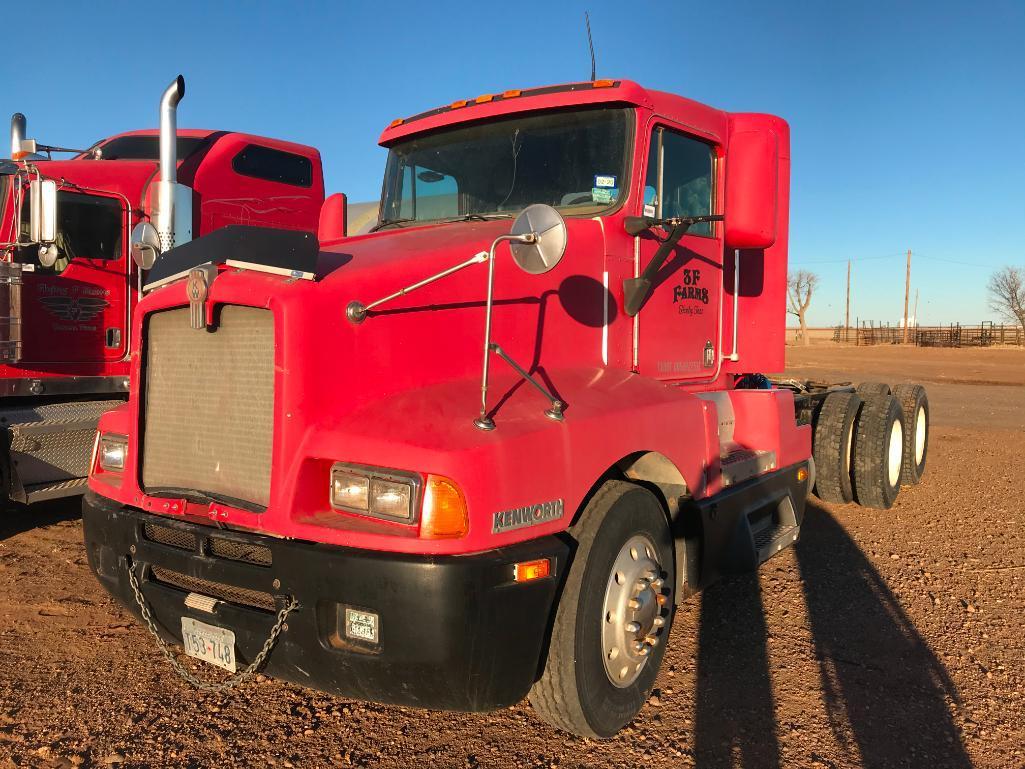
(483, 451)
(68, 287)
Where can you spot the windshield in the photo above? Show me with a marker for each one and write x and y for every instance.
(573, 160)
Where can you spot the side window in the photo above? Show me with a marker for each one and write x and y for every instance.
(273, 165)
(685, 167)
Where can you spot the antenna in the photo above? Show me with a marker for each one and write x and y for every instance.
(590, 43)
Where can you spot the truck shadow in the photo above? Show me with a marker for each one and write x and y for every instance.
(21, 518)
(886, 696)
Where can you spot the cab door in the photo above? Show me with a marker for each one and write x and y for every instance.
(76, 311)
(678, 325)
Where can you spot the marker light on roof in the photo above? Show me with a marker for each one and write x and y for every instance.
(603, 83)
(396, 122)
(511, 93)
(457, 104)
(484, 97)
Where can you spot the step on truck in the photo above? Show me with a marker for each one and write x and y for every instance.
(485, 450)
(69, 284)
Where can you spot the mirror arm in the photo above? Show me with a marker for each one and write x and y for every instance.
(636, 290)
(555, 412)
(357, 312)
(484, 422)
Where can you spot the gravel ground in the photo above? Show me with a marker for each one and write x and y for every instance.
(882, 639)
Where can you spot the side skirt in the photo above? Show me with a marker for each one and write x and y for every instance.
(743, 526)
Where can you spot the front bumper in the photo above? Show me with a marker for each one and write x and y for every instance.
(454, 632)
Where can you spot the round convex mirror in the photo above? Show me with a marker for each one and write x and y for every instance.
(145, 245)
(547, 250)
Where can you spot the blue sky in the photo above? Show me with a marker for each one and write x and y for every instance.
(908, 119)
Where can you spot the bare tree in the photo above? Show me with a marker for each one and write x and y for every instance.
(800, 286)
(1007, 294)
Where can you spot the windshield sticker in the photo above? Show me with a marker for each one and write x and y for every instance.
(604, 194)
(649, 210)
(604, 180)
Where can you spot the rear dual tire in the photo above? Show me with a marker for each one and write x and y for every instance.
(878, 451)
(833, 442)
(915, 404)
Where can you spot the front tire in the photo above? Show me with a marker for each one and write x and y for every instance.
(613, 620)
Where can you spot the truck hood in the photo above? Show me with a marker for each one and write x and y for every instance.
(398, 257)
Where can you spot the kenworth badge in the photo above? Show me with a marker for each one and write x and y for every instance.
(521, 517)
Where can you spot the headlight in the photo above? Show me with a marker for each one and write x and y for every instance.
(381, 493)
(112, 451)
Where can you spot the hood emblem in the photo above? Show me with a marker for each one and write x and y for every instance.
(197, 289)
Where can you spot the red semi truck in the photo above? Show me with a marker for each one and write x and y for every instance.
(68, 287)
(483, 451)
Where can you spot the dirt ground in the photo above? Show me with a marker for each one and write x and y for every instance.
(882, 639)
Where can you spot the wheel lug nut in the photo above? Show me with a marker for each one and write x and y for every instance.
(634, 604)
(643, 651)
(658, 622)
(651, 640)
(661, 600)
(657, 583)
(639, 646)
(632, 627)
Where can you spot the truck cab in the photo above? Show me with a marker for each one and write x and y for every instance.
(484, 450)
(69, 285)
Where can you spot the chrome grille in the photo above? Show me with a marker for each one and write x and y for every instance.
(238, 595)
(240, 551)
(166, 535)
(208, 402)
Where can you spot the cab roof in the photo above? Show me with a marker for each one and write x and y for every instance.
(700, 116)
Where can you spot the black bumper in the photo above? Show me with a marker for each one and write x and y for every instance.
(454, 632)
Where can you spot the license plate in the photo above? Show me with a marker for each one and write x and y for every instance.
(215, 645)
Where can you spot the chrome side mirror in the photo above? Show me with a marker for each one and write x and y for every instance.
(43, 210)
(548, 246)
(145, 242)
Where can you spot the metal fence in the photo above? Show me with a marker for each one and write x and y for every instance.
(985, 334)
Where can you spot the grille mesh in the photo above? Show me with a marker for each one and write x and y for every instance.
(209, 403)
(240, 551)
(238, 595)
(166, 535)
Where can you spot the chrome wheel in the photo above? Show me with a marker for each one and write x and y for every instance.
(635, 611)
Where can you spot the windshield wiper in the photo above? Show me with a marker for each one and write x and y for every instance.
(478, 218)
(389, 222)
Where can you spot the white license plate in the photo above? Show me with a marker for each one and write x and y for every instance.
(215, 645)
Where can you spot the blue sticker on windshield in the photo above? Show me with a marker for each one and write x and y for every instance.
(604, 194)
(604, 180)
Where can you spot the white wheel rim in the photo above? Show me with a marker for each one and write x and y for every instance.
(896, 453)
(847, 451)
(919, 435)
(635, 611)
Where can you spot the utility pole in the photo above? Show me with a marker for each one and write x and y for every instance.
(907, 290)
(915, 313)
(847, 315)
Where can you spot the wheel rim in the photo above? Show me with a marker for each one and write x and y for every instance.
(634, 612)
(919, 435)
(896, 453)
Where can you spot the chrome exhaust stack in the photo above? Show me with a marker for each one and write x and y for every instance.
(18, 128)
(174, 202)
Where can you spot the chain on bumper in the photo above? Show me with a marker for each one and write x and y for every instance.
(205, 686)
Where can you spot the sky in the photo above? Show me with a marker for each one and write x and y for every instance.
(907, 118)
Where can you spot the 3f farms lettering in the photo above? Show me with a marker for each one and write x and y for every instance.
(689, 294)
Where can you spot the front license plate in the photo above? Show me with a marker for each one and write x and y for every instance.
(215, 645)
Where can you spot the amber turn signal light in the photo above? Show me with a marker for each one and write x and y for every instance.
(529, 570)
(603, 83)
(444, 511)
(802, 475)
